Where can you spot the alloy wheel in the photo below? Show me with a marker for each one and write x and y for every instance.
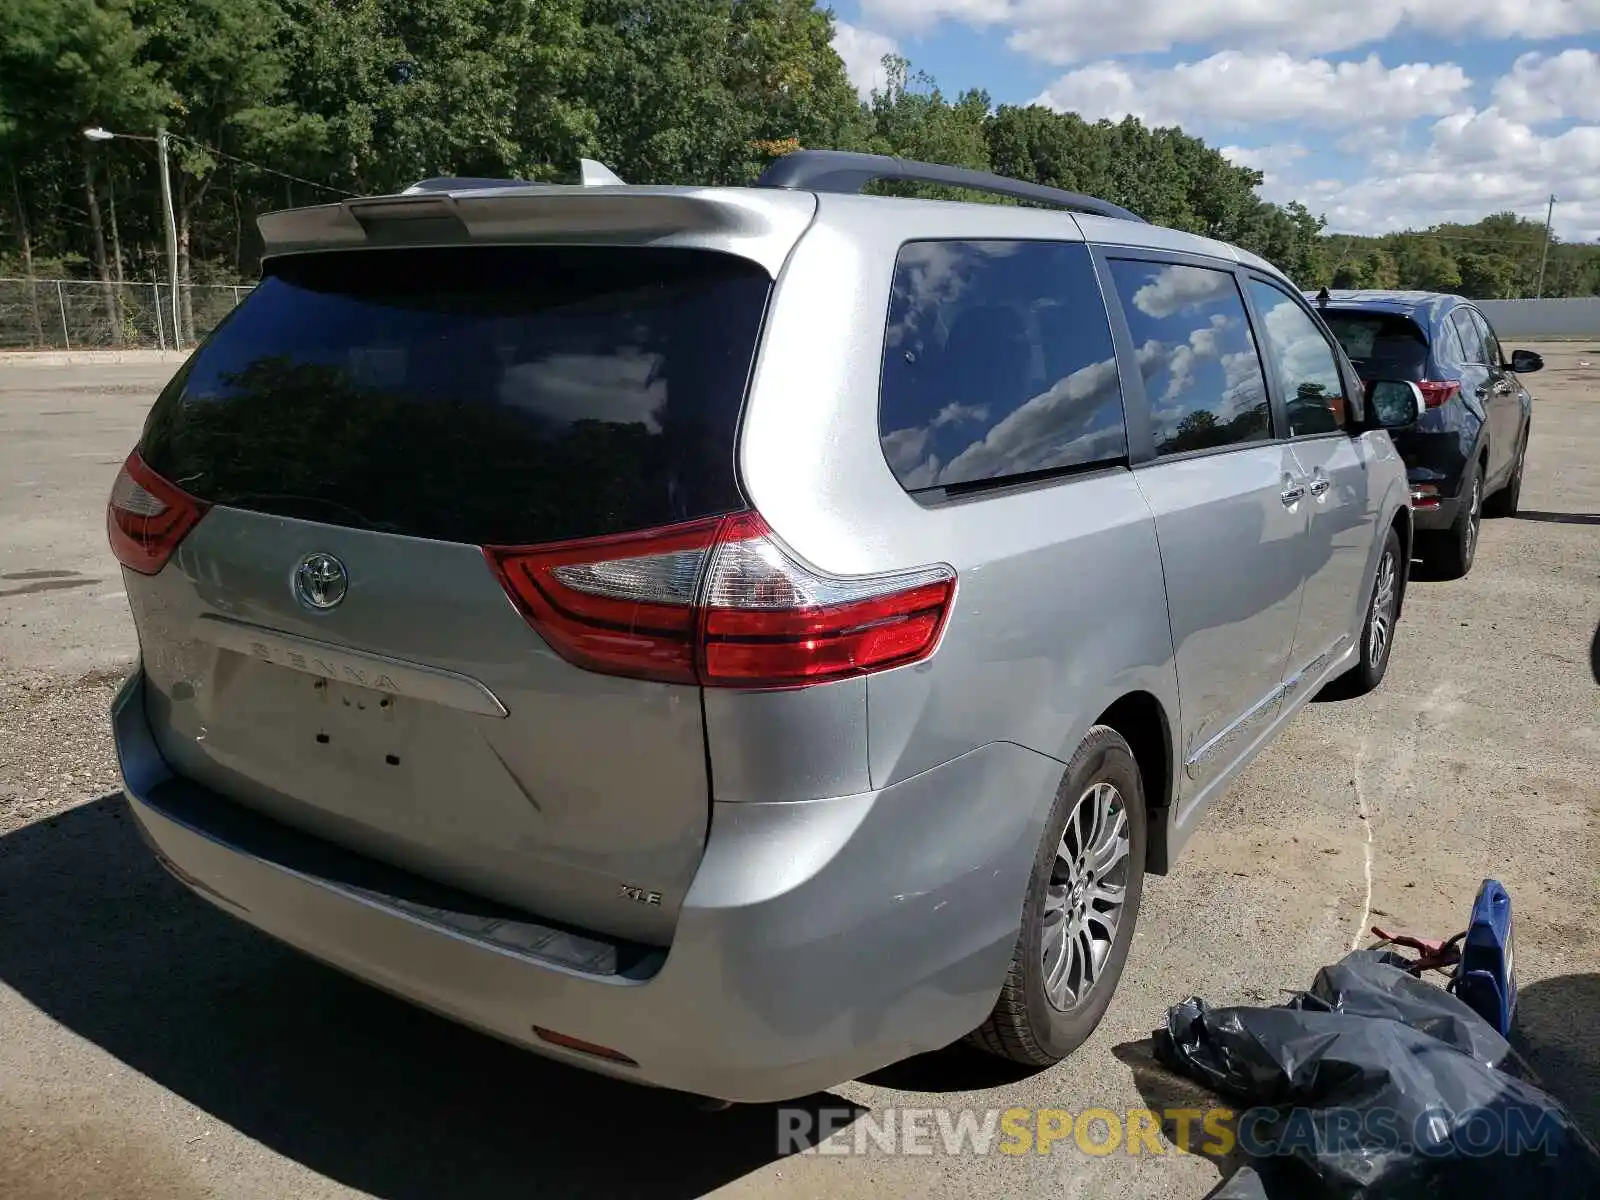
(1381, 622)
(1084, 902)
(1474, 518)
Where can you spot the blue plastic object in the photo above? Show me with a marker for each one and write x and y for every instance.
(1485, 980)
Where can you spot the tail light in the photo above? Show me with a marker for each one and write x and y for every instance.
(147, 517)
(1438, 394)
(719, 602)
(1424, 495)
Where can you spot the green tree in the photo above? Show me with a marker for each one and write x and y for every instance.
(224, 64)
(416, 88)
(65, 65)
(911, 118)
(1425, 264)
(1487, 276)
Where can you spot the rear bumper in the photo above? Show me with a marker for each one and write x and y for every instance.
(821, 939)
(1439, 516)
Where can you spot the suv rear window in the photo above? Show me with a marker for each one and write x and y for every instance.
(474, 394)
(1380, 345)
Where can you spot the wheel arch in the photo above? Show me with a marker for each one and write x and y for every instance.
(1144, 723)
(1401, 523)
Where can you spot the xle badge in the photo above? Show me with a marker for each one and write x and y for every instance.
(639, 895)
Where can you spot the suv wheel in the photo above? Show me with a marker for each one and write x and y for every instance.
(1451, 554)
(1078, 918)
(1508, 499)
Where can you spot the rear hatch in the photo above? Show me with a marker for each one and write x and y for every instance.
(1392, 345)
(331, 645)
(1381, 345)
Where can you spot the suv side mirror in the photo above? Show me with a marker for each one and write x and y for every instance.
(1523, 361)
(1395, 403)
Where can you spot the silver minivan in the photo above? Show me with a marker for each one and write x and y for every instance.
(737, 638)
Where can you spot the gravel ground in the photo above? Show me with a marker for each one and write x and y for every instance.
(55, 747)
(153, 1047)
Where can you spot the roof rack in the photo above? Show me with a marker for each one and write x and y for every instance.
(590, 174)
(846, 172)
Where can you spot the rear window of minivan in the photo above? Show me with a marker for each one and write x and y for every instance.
(508, 395)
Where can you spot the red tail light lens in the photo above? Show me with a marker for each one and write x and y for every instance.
(620, 605)
(1438, 394)
(721, 603)
(147, 517)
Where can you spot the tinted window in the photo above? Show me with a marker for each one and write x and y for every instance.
(1448, 347)
(1491, 344)
(474, 394)
(1471, 337)
(1307, 371)
(998, 362)
(1192, 339)
(1380, 345)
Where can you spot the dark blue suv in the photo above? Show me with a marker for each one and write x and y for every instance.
(1464, 458)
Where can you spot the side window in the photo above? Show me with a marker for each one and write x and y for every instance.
(1471, 338)
(1449, 348)
(1308, 373)
(998, 362)
(1491, 344)
(1195, 351)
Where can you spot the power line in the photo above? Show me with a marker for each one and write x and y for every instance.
(249, 163)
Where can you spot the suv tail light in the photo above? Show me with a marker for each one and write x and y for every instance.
(1438, 394)
(719, 602)
(147, 517)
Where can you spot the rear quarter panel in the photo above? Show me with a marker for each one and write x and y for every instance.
(1060, 607)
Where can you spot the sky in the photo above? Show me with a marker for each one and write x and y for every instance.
(1377, 114)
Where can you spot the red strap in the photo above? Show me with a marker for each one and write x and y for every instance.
(1433, 954)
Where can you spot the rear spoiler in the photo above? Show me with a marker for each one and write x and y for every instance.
(759, 225)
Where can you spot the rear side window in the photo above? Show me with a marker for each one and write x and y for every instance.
(1201, 372)
(1491, 344)
(1472, 336)
(1380, 345)
(510, 395)
(998, 364)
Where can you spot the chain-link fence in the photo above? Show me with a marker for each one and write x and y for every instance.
(78, 314)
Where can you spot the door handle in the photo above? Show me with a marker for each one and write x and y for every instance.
(1292, 495)
(1320, 485)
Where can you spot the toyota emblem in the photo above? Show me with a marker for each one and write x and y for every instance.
(320, 581)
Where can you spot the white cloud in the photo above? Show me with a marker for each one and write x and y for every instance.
(863, 51)
(1176, 288)
(1237, 88)
(1477, 162)
(1548, 88)
(1267, 159)
(1066, 31)
(1275, 162)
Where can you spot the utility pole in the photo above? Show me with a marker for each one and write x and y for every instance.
(172, 232)
(96, 134)
(1538, 293)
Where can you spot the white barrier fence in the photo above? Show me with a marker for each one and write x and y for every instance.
(79, 314)
(1575, 317)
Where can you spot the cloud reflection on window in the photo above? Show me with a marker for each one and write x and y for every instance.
(998, 362)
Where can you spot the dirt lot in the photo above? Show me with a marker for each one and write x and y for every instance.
(150, 1047)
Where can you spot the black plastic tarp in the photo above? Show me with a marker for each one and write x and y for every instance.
(1376, 1085)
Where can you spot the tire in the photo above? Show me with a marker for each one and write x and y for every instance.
(1508, 499)
(1033, 1022)
(1378, 627)
(1450, 554)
